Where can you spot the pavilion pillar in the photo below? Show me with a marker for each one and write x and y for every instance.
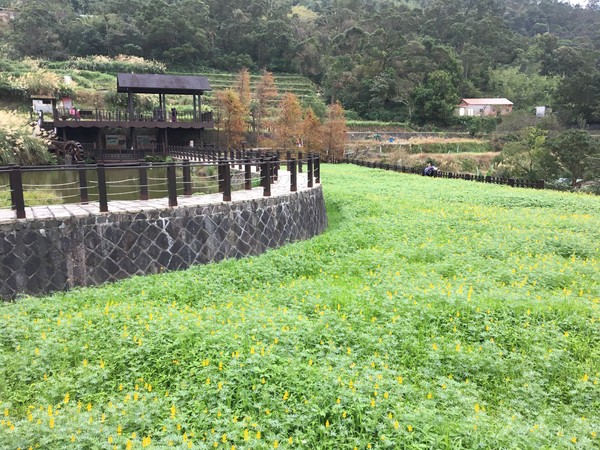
(130, 105)
(195, 108)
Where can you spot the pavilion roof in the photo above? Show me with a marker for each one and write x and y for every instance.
(162, 84)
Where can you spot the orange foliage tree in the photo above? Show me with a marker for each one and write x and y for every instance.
(312, 133)
(242, 87)
(288, 126)
(334, 133)
(233, 116)
(265, 96)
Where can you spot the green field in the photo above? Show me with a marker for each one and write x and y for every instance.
(433, 313)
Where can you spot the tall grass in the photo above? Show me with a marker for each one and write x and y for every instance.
(433, 313)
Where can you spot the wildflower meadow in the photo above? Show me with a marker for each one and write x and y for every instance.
(433, 313)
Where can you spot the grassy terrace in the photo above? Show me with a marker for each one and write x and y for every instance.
(433, 313)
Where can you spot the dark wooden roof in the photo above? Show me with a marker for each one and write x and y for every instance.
(162, 84)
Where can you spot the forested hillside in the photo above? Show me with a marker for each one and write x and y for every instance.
(402, 60)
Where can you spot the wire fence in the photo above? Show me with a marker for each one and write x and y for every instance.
(514, 182)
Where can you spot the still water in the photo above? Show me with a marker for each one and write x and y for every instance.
(122, 183)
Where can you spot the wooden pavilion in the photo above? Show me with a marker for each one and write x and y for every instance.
(132, 130)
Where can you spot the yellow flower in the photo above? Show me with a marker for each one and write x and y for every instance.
(409, 428)
(276, 444)
(573, 439)
(326, 423)
(246, 435)
(66, 399)
(51, 423)
(290, 440)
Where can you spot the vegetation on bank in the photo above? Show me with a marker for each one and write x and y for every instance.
(17, 143)
(404, 61)
(432, 313)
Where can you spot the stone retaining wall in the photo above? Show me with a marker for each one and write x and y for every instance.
(42, 256)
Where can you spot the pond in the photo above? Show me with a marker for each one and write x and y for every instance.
(62, 185)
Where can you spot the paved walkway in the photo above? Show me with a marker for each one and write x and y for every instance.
(279, 187)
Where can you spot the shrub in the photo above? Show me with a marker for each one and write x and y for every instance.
(120, 63)
(18, 145)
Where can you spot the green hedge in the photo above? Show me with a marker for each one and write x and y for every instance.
(451, 147)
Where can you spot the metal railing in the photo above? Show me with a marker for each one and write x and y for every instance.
(222, 174)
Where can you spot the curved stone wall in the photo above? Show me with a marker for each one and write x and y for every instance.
(43, 256)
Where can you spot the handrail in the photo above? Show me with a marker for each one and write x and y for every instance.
(124, 115)
(225, 162)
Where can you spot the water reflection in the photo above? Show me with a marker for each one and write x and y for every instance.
(122, 183)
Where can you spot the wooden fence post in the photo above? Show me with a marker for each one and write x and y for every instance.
(83, 189)
(227, 181)
(172, 184)
(310, 169)
(265, 175)
(16, 191)
(293, 175)
(143, 180)
(102, 194)
(187, 178)
(247, 175)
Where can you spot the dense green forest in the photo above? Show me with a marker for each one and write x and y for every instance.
(401, 60)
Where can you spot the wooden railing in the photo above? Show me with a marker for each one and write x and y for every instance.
(514, 182)
(243, 163)
(119, 115)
